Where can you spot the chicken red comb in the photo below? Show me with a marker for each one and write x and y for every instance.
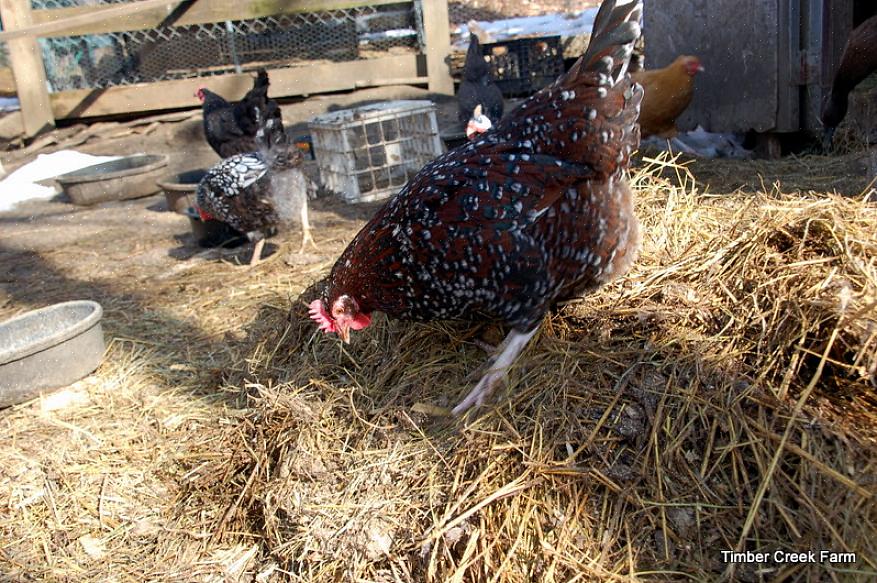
(321, 316)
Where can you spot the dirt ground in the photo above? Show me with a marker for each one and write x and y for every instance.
(118, 477)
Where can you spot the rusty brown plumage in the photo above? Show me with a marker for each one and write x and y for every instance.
(533, 212)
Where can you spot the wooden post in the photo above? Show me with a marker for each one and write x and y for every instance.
(28, 69)
(437, 34)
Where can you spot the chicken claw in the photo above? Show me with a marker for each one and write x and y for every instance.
(507, 353)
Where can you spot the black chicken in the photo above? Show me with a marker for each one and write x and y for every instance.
(237, 128)
(478, 88)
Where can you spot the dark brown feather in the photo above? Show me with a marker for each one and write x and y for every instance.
(534, 212)
(858, 61)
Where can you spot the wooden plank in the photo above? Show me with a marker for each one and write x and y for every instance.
(82, 20)
(61, 25)
(437, 35)
(291, 81)
(26, 59)
(7, 82)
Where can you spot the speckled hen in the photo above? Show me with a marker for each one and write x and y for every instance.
(858, 61)
(534, 212)
(257, 191)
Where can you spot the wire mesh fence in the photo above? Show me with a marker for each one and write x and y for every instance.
(178, 52)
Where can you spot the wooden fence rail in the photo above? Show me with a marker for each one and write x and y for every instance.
(22, 26)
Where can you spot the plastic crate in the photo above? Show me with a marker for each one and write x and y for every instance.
(524, 66)
(370, 152)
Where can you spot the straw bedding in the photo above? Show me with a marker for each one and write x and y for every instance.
(722, 396)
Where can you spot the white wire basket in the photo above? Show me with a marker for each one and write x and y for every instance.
(370, 152)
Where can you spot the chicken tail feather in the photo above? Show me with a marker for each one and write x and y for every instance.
(589, 115)
(616, 29)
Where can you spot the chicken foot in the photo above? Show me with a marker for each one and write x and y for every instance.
(306, 229)
(484, 345)
(507, 353)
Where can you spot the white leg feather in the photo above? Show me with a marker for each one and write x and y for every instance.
(507, 353)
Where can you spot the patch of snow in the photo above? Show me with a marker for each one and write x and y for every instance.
(386, 34)
(23, 185)
(9, 104)
(568, 24)
(703, 144)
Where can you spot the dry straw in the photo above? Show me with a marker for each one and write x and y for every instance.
(722, 396)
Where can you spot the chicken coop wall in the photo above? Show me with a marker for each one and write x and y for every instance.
(109, 57)
(213, 48)
(767, 62)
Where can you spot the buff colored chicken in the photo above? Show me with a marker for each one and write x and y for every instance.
(667, 94)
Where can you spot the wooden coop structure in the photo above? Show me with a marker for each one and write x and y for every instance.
(72, 59)
(768, 62)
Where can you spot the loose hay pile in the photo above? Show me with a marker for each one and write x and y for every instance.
(723, 396)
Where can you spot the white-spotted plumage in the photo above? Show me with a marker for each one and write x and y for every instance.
(256, 192)
(518, 220)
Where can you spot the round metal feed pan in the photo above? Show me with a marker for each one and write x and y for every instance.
(49, 348)
(128, 177)
(179, 189)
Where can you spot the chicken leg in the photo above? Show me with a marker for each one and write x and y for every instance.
(507, 353)
(257, 252)
(305, 228)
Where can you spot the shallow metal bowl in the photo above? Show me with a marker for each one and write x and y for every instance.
(128, 177)
(49, 348)
(179, 189)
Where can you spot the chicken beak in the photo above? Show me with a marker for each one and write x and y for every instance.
(700, 69)
(344, 333)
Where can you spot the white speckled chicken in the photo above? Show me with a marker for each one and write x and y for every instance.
(858, 61)
(256, 192)
(535, 212)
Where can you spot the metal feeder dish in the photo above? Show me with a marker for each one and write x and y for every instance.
(49, 348)
(129, 177)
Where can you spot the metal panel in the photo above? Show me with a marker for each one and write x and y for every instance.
(811, 55)
(788, 73)
(738, 43)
